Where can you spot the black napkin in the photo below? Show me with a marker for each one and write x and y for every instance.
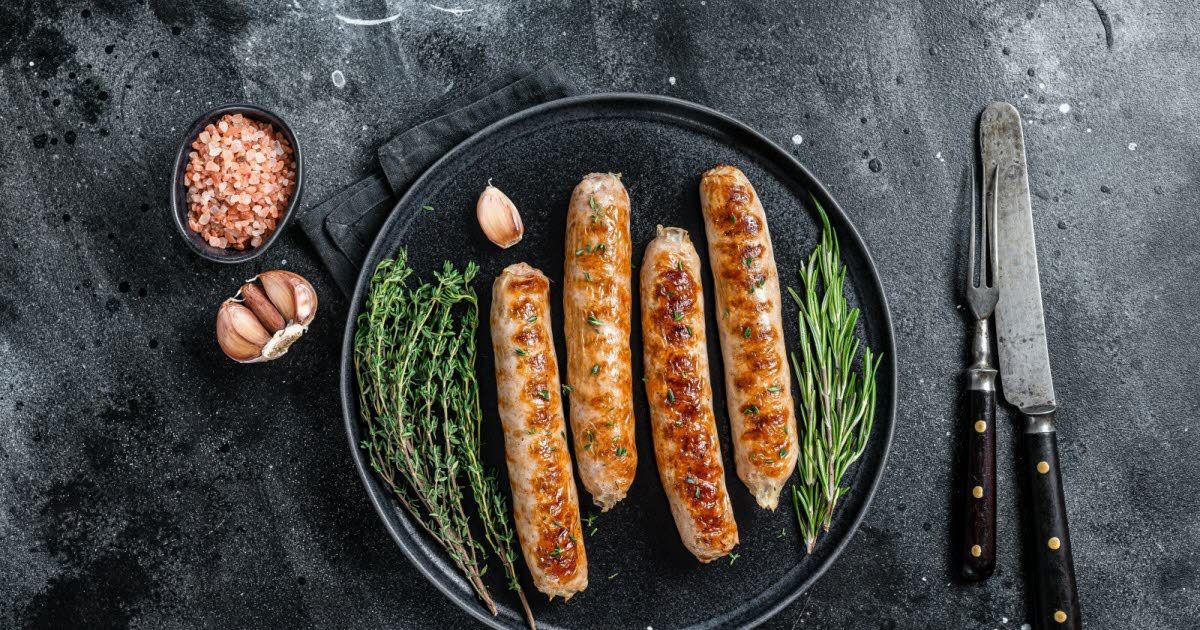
(343, 227)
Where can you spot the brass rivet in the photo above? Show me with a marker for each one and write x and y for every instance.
(1054, 542)
(1043, 467)
(980, 426)
(976, 550)
(977, 492)
(1060, 616)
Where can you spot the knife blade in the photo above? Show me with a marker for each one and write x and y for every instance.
(1020, 324)
(1025, 365)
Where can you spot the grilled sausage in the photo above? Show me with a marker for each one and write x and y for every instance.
(545, 505)
(596, 315)
(750, 321)
(677, 385)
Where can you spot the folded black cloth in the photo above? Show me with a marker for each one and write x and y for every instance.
(343, 227)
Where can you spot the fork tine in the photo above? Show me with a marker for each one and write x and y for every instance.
(990, 216)
(971, 247)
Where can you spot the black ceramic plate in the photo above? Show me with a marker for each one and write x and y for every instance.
(639, 573)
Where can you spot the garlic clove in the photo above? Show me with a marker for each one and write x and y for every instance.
(230, 320)
(498, 217)
(291, 294)
(257, 301)
(245, 324)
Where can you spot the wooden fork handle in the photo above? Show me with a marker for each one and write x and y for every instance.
(978, 546)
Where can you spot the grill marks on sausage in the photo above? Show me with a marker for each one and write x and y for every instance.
(558, 545)
(739, 263)
(687, 396)
(556, 516)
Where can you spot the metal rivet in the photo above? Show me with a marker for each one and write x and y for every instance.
(1060, 616)
(977, 492)
(976, 550)
(980, 426)
(1054, 542)
(1043, 467)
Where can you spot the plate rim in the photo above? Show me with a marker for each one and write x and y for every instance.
(384, 505)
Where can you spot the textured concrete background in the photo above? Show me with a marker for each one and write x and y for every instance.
(144, 480)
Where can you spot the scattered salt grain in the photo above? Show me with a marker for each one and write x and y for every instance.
(339, 79)
(1064, 108)
(797, 139)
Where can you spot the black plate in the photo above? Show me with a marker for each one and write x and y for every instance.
(640, 574)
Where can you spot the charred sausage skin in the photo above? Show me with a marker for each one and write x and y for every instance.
(545, 505)
(750, 323)
(686, 444)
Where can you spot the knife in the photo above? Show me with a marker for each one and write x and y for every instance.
(1025, 364)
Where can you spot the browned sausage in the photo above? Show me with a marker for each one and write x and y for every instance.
(686, 445)
(545, 505)
(596, 315)
(750, 321)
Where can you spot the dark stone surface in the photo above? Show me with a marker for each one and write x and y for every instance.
(146, 480)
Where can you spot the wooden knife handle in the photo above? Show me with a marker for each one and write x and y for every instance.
(1057, 597)
(978, 546)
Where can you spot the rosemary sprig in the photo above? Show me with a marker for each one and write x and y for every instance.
(837, 395)
(419, 398)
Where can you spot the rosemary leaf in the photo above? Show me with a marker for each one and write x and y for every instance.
(837, 389)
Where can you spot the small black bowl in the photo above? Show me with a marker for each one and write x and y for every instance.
(179, 206)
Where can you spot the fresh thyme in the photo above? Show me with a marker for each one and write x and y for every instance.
(837, 393)
(414, 358)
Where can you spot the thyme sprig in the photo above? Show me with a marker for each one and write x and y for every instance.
(414, 357)
(837, 393)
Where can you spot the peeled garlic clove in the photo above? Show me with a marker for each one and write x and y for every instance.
(256, 300)
(498, 217)
(239, 333)
(291, 294)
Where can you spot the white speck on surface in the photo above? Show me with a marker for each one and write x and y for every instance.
(797, 139)
(924, 579)
(455, 11)
(939, 157)
(1026, 626)
(1004, 620)
(1133, 146)
(362, 22)
(339, 79)
(1088, 130)
(283, 262)
(30, 64)
(1024, 96)
(1064, 108)
(1041, 86)
(671, 80)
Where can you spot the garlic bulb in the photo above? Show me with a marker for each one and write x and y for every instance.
(262, 322)
(498, 217)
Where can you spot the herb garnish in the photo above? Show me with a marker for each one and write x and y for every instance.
(414, 360)
(837, 392)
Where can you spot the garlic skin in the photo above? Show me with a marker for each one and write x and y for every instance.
(498, 217)
(261, 323)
